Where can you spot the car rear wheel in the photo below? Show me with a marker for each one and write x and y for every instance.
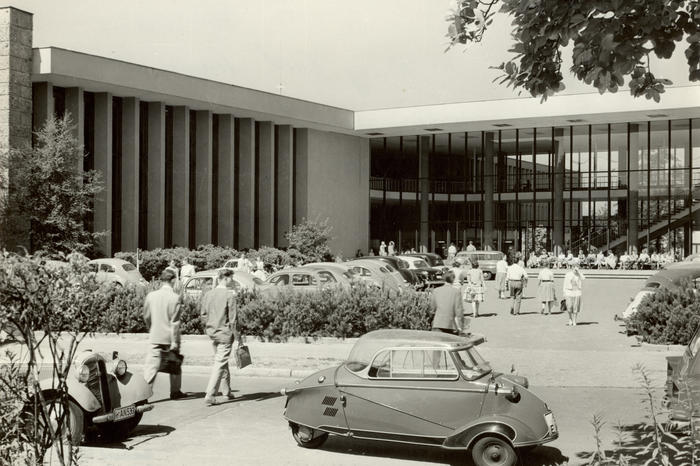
(47, 422)
(493, 451)
(307, 437)
(487, 275)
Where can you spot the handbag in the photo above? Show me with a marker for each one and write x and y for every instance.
(170, 362)
(242, 355)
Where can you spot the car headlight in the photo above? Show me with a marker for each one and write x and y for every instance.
(83, 374)
(120, 368)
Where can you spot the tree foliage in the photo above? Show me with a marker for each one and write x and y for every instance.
(49, 194)
(310, 238)
(612, 40)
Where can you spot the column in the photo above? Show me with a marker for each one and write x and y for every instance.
(42, 104)
(301, 175)
(246, 183)
(204, 171)
(424, 188)
(155, 236)
(103, 165)
(181, 176)
(489, 179)
(266, 184)
(15, 109)
(75, 107)
(633, 191)
(227, 180)
(558, 191)
(130, 174)
(285, 182)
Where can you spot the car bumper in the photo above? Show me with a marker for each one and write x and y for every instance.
(109, 417)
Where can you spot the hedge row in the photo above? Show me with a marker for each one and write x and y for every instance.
(667, 316)
(288, 313)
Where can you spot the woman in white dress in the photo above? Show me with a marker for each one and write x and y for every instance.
(545, 290)
(382, 249)
(573, 290)
(475, 287)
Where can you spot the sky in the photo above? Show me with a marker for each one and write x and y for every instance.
(357, 54)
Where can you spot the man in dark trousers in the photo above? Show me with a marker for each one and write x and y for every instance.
(219, 314)
(446, 303)
(161, 311)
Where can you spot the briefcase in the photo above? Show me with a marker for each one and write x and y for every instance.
(242, 356)
(170, 362)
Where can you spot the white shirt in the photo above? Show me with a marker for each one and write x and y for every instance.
(573, 284)
(515, 272)
(501, 266)
(545, 275)
(471, 247)
(186, 270)
(452, 250)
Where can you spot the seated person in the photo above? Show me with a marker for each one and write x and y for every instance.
(611, 260)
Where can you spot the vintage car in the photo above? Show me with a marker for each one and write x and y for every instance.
(117, 271)
(423, 388)
(103, 395)
(682, 396)
(205, 280)
(670, 278)
(487, 261)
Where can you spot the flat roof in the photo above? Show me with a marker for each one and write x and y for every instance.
(68, 68)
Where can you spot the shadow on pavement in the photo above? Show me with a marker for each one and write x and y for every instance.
(141, 434)
(259, 396)
(540, 456)
(190, 396)
(586, 323)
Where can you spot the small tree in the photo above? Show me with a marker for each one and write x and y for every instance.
(611, 39)
(311, 238)
(50, 194)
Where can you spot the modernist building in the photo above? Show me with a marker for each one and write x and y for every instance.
(188, 161)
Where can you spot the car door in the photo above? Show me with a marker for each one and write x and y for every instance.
(410, 395)
(197, 285)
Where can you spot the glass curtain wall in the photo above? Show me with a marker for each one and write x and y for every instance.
(582, 187)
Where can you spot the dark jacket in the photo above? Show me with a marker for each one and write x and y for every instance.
(219, 314)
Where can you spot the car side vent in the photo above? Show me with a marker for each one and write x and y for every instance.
(329, 400)
(330, 412)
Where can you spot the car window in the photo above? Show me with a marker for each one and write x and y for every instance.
(128, 267)
(326, 277)
(199, 283)
(390, 268)
(280, 280)
(257, 281)
(403, 264)
(420, 264)
(106, 268)
(383, 270)
(413, 364)
(349, 275)
(303, 279)
(92, 267)
(361, 271)
(438, 263)
(471, 364)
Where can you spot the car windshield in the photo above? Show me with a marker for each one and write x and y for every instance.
(471, 364)
(420, 264)
(128, 267)
(257, 281)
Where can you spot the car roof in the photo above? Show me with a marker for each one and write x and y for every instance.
(295, 270)
(365, 263)
(109, 260)
(673, 276)
(327, 265)
(401, 337)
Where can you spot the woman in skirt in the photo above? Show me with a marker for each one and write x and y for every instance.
(501, 282)
(545, 290)
(475, 287)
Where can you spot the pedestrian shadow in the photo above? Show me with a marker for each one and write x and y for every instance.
(258, 396)
(141, 434)
(586, 323)
(526, 313)
(487, 314)
(190, 396)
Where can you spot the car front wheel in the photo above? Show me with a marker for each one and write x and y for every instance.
(487, 275)
(307, 437)
(493, 451)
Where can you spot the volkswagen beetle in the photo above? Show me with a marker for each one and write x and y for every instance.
(103, 394)
(423, 388)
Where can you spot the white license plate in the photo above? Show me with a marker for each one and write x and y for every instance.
(551, 423)
(124, 413)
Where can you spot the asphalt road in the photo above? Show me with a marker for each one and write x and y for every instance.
(250, 430)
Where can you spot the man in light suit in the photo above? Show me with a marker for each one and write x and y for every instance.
(446, 303)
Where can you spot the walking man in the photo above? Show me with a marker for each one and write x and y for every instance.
(517, 279)
(446, 303)
(161, 311)
(219, 313)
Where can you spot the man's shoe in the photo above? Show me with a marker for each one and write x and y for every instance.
(178, 395)
(230, 396)
(210, 401)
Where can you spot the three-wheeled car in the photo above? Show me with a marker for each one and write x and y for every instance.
(424, 388)
(103, 395)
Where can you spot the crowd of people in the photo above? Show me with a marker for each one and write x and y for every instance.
(601, 260)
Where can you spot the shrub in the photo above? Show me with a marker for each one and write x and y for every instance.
(311, 239)
(153, 262)
(667, 316)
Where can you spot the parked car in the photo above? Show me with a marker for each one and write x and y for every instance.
(205, 280)
(431, 276)
(421, 388)
(486, 259)
(378, 273)
(104, 396)
(117, 271)
(433, 260)
(309, 278)
(682, 396)
(670, 278)
(400, 265)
